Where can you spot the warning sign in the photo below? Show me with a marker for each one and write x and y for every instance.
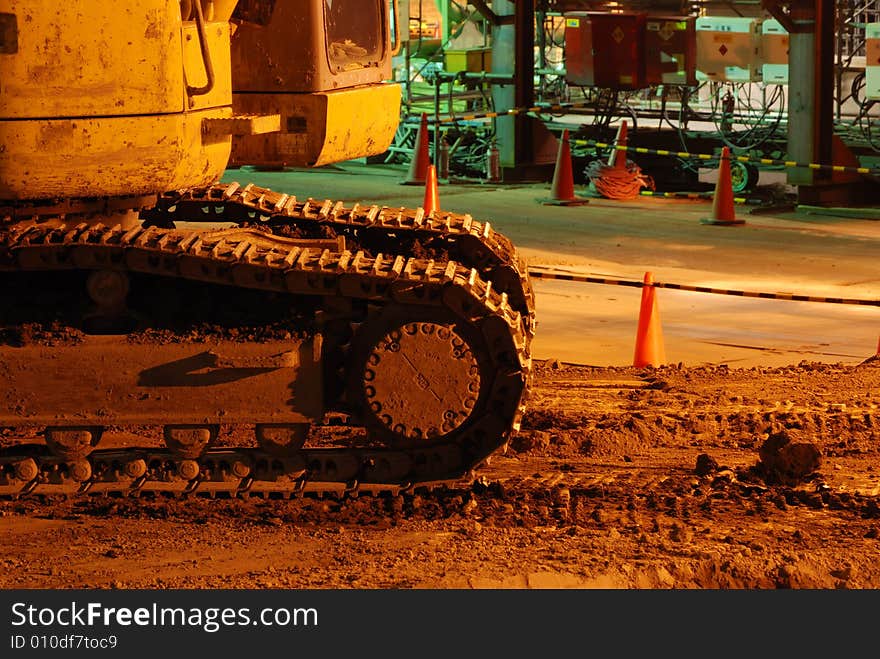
(667, 31)
(618, 34)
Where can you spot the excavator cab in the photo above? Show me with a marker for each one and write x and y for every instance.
(322, 65)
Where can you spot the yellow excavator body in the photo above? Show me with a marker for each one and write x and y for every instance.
(101, 99)
(138, 100)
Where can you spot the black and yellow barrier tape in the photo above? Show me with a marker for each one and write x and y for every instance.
(712, 156)
(559, 107)
(538, 273)
(702, 196)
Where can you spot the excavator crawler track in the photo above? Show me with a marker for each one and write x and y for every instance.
(382, 316)
(450, 235)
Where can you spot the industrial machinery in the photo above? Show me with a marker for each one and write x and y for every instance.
(139, 294)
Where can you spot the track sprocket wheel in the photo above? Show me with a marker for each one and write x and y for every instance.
(417, 375)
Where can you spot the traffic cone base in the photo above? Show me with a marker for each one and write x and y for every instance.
(576, 201)
(723, 211)
(418, 166)
(713, 220)
(649, 349)
(873, 358)
(562, 187)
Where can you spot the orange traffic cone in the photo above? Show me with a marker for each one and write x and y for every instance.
(873, 358)
(617, 158)
(418, 166)
(722, 202)
(649, 335)
(432, 195)
(562, 188)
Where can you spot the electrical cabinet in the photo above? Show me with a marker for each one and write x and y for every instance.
(618, 50)
(670, 50)
(872, 60)
(729, 49)
(578, 49)
(472, 60)
(605, 50)
(774, 47)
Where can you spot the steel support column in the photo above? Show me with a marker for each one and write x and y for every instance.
(524, 77)
(526, 147)
(504, 97)
(823, 124)
(810, 88)
(811, 26)
(801, 104)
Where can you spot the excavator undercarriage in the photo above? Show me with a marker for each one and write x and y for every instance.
(286, 311)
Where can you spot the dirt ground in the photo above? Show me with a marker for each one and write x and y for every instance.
(704, 477)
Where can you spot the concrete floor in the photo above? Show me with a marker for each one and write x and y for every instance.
(796, 252)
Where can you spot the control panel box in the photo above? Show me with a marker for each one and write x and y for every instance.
(670, 50)
(618, 49)
(872, 60)
(729, 49)
(605, 50)
(774, 48)
(578, 49)
(472, 60)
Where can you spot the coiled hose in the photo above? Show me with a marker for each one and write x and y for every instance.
(616, 182)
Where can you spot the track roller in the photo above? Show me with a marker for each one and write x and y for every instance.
(26, 470)
(79, 470)
(241, 469)
(188, 469)
(135, 468)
